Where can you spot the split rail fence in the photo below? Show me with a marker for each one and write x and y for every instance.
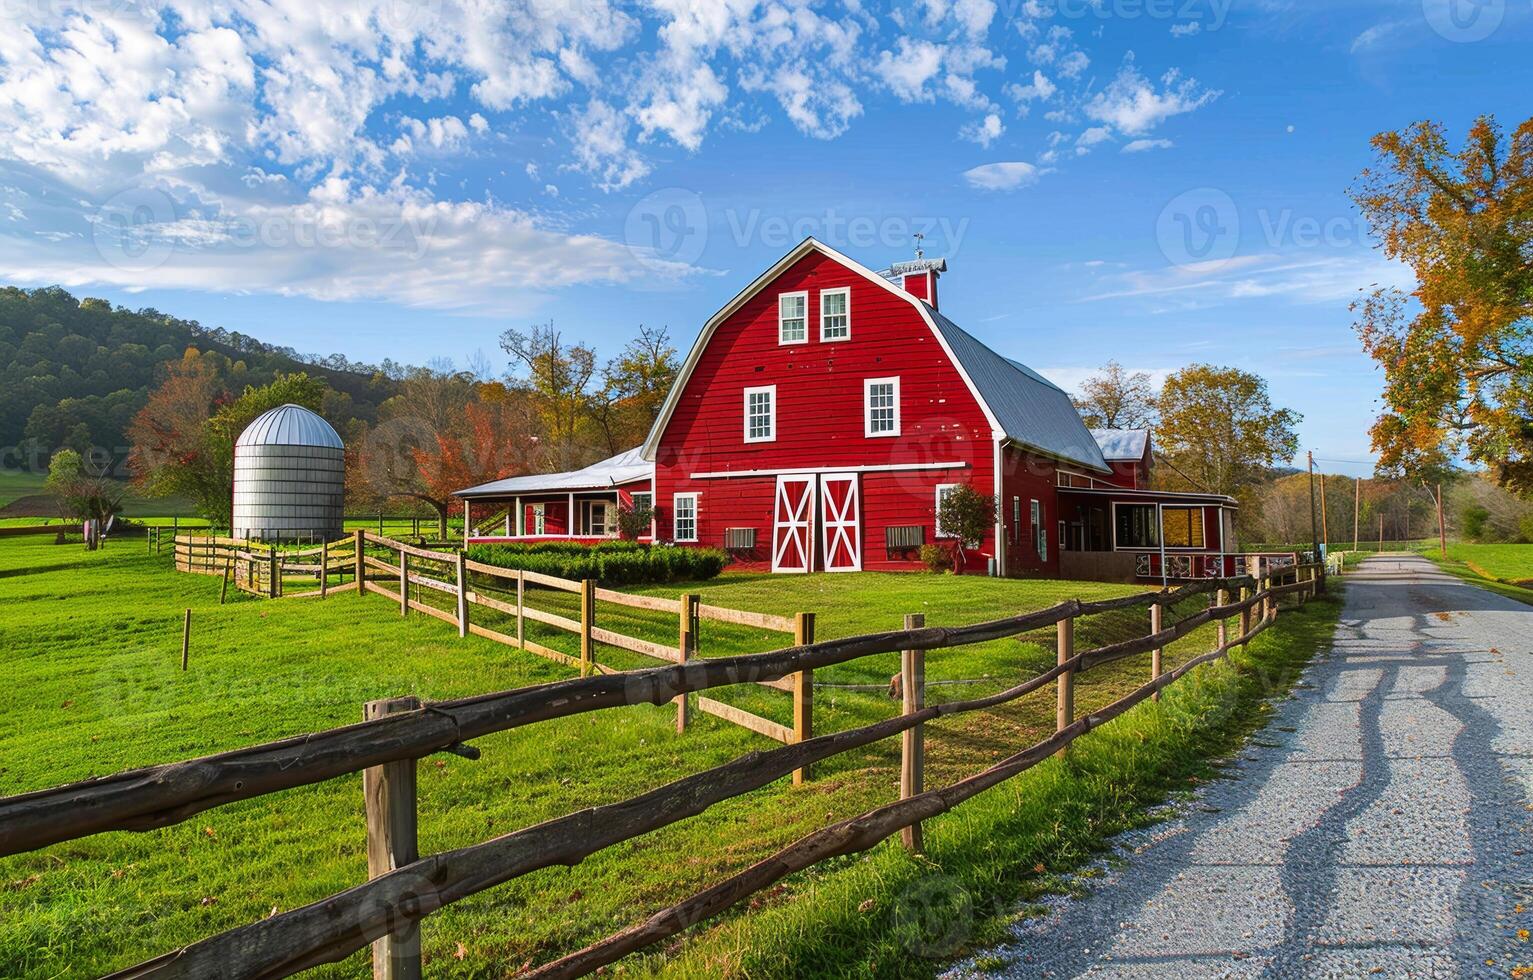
(403, 572)
(403, 887)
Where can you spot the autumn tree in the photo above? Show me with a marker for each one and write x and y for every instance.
(1457, 352)
(442, 433)
(558, 377)
(634, 385)
(1117, 399)
(1219, 432)
(81, 492)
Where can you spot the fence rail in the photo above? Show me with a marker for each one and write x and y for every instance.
(403, 888)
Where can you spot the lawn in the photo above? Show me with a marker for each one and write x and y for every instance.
(92, 650)
(1506, 569)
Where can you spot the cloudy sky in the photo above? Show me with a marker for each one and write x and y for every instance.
(1156, 181)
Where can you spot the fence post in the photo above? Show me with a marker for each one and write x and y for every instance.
(223, 590)
(521, 593)
(1220, 598)
(587, 620)
(462, 596)
(1064, 712)
(275, 576)
(1269, 604)
(686, 646)
(1157, 614)
(324, 567)
(913, 740)
(389, 795)
(358, 565)
(803, 692)
(186, 639)
(404, 582)
(1245, 616)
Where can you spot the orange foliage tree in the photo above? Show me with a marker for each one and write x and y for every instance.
(1457, 352)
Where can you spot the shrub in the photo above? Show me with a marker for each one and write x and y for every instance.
(633, 521)
(936, 558)
(610, 562)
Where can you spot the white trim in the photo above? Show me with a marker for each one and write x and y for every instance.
(937, 531)
(745, 405)
(999, 530)
(813, 470)
(801, 294)
(675, 499)
(835, 526)
(867, 409)
(844, 291)
(673, 397)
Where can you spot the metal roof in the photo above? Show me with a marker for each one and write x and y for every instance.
(1031, 410)
(290, 425)
(625, 467)
(1120, 444)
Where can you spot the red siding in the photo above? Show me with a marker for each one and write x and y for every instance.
(819, 407)
(1028, 477)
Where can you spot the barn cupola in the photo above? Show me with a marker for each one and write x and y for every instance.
(918, 276)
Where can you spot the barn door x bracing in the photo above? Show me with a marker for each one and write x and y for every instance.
(841, 521)
(793, 524)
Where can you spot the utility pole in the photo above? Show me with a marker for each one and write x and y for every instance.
(1325, 524)
(1442, 532)
(1314, 532)
(1357, 509)
(1381, 531)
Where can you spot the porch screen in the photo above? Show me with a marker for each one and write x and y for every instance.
(1183, 527)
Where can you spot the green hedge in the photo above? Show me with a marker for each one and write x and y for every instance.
(610, 562)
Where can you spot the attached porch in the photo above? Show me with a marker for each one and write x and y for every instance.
(1144, 535)
(578, 506)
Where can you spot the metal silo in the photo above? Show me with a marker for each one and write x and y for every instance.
(289, 468)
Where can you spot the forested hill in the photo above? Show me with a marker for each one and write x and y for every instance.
(74, 372)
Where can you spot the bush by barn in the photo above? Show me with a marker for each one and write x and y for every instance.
(610, 562)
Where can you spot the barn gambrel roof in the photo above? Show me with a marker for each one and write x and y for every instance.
(1020, 404)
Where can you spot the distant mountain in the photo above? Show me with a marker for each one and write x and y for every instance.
(74, 372)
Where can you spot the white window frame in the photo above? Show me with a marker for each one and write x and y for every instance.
(867, 408)
(676, 500)
(845, 291)
(783, 341)
(745, 404)
(937, 529)
(539, 518)
(1040, 534)
(1061, 535)
(1016, 518)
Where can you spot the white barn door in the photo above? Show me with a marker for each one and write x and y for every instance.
(841, 521)
(793, 524)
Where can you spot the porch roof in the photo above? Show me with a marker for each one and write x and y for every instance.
(1151, 496)
(625, 467)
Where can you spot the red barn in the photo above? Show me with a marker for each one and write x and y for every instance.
(826, 409)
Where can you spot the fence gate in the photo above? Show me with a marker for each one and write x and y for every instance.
(793, 524)
(841, 521)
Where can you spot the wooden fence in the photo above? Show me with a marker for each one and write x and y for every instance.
(266, 570)
(403, 887)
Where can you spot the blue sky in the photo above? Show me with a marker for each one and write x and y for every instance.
(1153, 181)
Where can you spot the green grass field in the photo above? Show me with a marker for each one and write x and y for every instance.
(1506, 569)
(92, 651)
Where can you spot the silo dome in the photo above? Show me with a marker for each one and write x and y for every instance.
(289, 469)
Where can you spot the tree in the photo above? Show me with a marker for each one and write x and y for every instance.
(442, 433)
(966, 514)
(1457, 353)
(634, 385)
(558, 378)
(1219, 431)
(1117, 399)
(82, 494)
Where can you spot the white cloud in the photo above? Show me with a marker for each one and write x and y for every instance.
(1091, 137)
(600, 136)
(1187, 29)
(1006, 176)
(1140, 146)
(984, 131)
(1295, 276)
(1039, 89)
(908, 68)
(1133, 105)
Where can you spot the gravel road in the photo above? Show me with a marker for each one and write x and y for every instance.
(1380, 825)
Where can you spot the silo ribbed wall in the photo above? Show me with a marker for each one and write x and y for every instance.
(288, 493)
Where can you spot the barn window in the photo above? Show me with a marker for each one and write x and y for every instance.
(1134, 526)
(642, 501)
(1016, 517)
(761, 414)
(792, 318)
(1040, 536)
(943, 489)
(881, 407)
(1182, 526)
(684, 517)
(836, 314)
